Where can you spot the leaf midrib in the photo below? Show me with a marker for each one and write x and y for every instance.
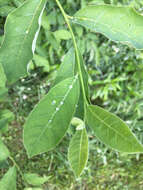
(108, 126)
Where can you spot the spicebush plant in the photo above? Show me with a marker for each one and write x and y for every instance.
(68, 101)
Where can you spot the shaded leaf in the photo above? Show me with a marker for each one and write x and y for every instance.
(21, 32)
(8, 182)
(84, 74)
(121, 24)
(62, 35)
(80, 111)
(6, 116)
(42, 62)
(2, 77)
(35, 180)
(3, 94)
(5, 10)
(4, 2)
(4, 164)
(111, 130)
(78, 151)
(4, 152)
(67, 68)
(49, 121)
(33, 188)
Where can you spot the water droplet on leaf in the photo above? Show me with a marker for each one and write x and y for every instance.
(57, 109)
(53, 102)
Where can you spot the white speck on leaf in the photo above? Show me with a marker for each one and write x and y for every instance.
(57, 109)
(53, 102)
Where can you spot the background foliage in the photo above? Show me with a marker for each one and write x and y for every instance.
(116, 83)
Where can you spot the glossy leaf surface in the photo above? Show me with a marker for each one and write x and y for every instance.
(21, 32)
(111, 130)
(121, 24)
(8, 182)
(78, 151)
(49, 121)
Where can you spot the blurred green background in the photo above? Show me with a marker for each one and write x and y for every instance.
(116, 83)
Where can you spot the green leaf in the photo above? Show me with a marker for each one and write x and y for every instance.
(3, 2)
(2, 77)
(4, 152)
(18, 2)
(34, 179)
(33, 188)
(8, 182)
(121, 24)
(80, 111)
(49, 121)
(3, 94)
(21, 32)
(5, 10)
(111, 130)
(78, 151)
(84, 74)
(42, 62)
(62, 35)
(67, 68)
(6, 116)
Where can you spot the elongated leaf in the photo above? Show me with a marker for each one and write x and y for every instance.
(4, 152)
(35, 180)
(111, 130)
(49, 121)
(78, 151)
(67, 67)
(80, 107)
(80, 111)
(121, 24)
(21, 32)
(84, 74)
(8, 182)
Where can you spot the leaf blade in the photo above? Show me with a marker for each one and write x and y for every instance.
(111, 130)
(78, 151)
(67, 68)
(4, 152)
(35, 180)
(46, 118)
(8, 182)
(120, 24)
(21, 32)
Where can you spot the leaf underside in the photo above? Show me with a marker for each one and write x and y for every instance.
(120, 24)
